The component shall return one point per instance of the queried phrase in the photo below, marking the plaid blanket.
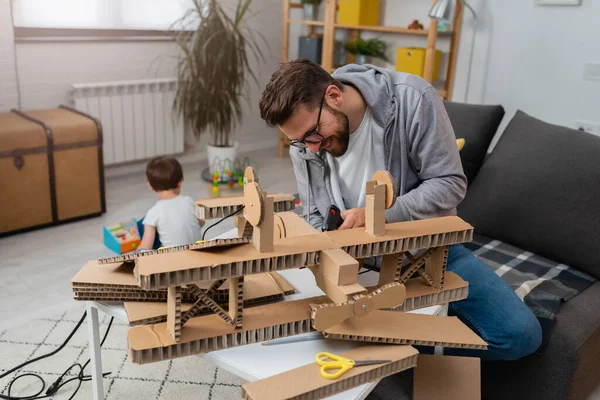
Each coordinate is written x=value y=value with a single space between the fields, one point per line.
x=541 y=283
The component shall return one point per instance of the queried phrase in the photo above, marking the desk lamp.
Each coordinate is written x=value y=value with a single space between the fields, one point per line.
x=440 y=10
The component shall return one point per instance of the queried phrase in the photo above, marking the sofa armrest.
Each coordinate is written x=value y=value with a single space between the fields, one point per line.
x=566 y=369
x=578 y=337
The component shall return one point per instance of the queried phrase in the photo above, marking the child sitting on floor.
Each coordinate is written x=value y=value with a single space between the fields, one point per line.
x=173 y=216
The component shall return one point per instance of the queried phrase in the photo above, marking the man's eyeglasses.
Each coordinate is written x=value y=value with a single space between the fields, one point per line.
x=312 y=137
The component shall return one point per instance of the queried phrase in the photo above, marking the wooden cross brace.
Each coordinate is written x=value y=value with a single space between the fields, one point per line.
x=431 y=266
x=176 y=319
x=205 y=297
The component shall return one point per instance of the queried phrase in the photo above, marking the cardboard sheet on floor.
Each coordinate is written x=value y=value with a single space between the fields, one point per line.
x=403 y=236
x=306 y=382
x=406 y=328
x=447 y=378
x=170 y=269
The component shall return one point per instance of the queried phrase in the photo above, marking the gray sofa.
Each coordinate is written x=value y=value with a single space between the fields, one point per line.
x=538 y=191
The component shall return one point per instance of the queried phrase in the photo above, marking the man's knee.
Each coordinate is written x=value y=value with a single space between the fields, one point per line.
x=520 y=337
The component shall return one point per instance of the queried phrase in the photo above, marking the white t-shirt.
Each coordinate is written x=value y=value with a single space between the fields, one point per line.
x=175 y=221
x=357 y=166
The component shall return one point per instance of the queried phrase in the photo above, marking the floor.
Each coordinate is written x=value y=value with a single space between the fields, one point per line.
x=186 y=378
x=37 y=266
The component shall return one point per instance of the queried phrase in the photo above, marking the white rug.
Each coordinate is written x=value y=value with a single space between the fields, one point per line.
x=186 y=378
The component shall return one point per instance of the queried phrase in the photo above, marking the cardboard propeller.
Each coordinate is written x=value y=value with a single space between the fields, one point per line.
x=337 y=275
x=324 y=316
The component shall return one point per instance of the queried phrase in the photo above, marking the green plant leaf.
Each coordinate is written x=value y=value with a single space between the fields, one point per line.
x=214 y=69
x=373 y=47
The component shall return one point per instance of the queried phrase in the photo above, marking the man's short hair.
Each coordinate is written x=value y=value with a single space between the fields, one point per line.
x=295 y=83
x=164 y=173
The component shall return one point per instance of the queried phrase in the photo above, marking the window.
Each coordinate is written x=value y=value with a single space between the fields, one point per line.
x=98 y=14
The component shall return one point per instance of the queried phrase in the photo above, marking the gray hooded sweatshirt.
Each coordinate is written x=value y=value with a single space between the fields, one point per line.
x=417 y=145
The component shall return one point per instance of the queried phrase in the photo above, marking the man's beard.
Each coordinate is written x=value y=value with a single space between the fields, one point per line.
x=341 y=137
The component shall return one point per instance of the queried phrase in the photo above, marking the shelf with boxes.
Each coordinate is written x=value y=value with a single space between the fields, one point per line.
x=355 y=17
x=390 y=29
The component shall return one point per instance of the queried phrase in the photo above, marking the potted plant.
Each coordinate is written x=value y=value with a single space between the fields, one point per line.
x=364 y=50
x=213 y=69
x=311 y=9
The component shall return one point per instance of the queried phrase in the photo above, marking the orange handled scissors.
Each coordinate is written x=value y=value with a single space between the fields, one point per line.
x=342 y=363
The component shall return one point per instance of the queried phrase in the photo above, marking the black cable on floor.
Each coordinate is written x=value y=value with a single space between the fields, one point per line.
x=57 y=384
x=221 y=220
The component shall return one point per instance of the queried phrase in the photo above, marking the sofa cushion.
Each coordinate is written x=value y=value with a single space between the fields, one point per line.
x=542 y=284
x=539 y=190
x=477 y=124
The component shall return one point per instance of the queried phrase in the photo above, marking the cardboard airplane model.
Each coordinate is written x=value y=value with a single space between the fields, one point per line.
x=347 y=311
x=271 y=238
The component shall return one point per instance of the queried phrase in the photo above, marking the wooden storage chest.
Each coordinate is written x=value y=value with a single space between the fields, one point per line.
x=51 y=167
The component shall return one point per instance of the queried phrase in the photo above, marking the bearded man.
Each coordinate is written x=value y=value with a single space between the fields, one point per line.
x=345 y=126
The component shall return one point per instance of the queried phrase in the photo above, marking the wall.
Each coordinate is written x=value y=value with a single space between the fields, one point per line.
x=8 y=82
x=537 y=55
x=526 y=56
x=47 y=69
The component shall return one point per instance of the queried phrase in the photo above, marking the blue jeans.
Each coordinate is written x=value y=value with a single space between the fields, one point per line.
x=492 y=310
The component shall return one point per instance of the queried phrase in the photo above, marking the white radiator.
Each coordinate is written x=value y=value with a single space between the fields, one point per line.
x=136 y=116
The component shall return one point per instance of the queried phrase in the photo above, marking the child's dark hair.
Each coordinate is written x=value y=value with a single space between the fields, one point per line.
x=164 y=173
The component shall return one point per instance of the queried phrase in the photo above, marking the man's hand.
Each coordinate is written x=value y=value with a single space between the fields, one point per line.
x=353 y=218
